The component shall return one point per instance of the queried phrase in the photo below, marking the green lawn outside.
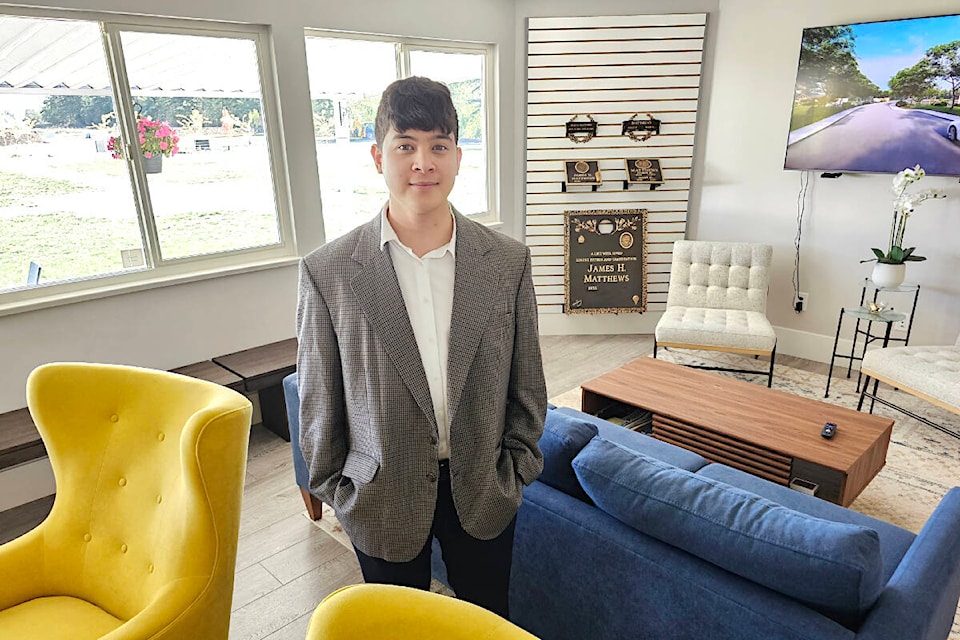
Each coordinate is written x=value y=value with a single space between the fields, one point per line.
x=65 y=244
x=15 y=187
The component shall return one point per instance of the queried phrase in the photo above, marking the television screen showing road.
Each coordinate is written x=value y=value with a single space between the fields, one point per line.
x=858 y=108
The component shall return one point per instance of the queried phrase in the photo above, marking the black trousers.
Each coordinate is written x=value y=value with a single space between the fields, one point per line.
x=478 y=570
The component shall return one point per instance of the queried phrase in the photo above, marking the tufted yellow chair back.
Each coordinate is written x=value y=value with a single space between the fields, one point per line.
x=149 y=468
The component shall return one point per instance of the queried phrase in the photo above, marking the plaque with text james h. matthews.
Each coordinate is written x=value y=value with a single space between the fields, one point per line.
x=605 y=261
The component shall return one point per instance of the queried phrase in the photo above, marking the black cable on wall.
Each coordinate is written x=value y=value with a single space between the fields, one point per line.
x=801 y=209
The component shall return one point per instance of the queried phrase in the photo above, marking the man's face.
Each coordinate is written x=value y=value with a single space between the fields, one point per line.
x=419 y=168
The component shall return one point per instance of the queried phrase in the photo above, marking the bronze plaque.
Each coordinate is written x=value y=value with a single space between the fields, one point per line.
x=605 y=265
x=640 y=130
x=581 y=130
x=644 y=171
x=582 y=172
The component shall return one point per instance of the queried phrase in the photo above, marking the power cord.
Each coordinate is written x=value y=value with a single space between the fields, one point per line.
x=801 y=209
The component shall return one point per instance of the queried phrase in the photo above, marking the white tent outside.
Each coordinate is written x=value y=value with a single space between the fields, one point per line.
x=51 y=56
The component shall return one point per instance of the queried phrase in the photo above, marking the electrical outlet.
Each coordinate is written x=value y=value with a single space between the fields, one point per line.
x=901 y=326
x=800 y=302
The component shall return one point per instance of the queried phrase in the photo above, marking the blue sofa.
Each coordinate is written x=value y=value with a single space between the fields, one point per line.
x=624 y=536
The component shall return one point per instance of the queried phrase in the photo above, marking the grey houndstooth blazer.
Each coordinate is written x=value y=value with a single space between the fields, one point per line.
x=368 y=431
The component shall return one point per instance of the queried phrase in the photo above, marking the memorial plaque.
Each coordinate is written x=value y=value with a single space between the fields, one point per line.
x=605 y=266
x=640 y=130
x=582 y=172
x=643 y=171
x=581 y=130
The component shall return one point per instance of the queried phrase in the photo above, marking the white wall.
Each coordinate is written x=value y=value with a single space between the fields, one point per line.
x=186 y=323
x=746 y=194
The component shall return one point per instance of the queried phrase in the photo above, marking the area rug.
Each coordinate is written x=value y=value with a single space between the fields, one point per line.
x=922 y=462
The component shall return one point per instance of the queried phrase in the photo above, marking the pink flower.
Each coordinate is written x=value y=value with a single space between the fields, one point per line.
x=155 y=138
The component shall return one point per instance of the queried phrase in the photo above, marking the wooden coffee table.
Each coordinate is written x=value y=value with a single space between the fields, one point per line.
x=769 y=433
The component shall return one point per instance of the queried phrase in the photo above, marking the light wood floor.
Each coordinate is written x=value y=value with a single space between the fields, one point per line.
x=286 y=565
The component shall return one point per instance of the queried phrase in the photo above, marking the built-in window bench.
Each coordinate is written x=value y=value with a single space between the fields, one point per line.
x=258 y=370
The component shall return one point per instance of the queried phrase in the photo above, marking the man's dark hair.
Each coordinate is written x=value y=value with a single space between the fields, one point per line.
x=416 y=103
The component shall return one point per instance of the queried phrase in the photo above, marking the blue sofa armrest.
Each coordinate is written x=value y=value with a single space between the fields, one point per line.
x=291 y=395
x=920 y=600
x=292 y=398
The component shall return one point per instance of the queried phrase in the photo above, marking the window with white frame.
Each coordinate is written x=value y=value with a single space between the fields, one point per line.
x=130 y=151
x=347 y=75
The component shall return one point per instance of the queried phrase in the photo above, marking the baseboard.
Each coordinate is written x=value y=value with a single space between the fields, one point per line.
x=583 y=324
x=790 y=342
x=811 y=346
x=25 y=483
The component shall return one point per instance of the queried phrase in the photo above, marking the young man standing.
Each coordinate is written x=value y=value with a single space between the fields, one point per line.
x=422 y=395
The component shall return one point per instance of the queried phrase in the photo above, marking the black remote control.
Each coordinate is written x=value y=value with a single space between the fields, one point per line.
x=829 y=430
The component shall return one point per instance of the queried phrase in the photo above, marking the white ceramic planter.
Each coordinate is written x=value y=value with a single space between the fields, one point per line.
x=888 y=275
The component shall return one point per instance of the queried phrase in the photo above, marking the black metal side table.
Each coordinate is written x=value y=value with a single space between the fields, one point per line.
x=863 y=314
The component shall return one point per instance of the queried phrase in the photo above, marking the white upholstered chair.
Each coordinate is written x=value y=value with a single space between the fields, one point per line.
x=929 y=372
x=717 y=301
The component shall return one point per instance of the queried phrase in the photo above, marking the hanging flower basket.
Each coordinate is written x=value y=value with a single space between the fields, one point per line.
x=153 y=164
x=157 y=139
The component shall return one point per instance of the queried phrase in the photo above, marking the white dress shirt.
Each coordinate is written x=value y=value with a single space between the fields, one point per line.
x=427 y=287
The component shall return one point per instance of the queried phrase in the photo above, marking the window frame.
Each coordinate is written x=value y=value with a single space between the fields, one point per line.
x=403 y=46
x=158 y=271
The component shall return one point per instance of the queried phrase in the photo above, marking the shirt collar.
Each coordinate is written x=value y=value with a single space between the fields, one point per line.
x=387 y=234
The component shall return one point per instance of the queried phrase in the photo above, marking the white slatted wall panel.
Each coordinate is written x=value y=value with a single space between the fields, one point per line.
x=610 y=67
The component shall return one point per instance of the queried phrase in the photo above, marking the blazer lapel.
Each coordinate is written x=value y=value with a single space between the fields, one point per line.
x=378 y=294
x=475 y=286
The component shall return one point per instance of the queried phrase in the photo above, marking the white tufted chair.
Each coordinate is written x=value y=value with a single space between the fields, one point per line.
x=717 y=300
x=931 y=373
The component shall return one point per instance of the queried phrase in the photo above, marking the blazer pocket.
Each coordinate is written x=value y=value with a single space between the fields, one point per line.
x=360 y=467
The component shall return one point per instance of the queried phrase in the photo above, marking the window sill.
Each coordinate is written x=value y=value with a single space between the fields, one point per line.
x=124 y=284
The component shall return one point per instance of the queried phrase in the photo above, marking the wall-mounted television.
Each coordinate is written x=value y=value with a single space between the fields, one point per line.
x=877 y=97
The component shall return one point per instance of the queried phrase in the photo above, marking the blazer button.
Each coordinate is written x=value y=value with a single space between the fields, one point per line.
x=431 y=477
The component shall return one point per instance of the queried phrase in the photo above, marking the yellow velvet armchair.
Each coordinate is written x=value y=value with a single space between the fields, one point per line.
x=388 y=612
x=142 y=538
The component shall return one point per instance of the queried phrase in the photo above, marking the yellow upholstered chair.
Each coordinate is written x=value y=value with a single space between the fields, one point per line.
x=387 y=612
x=142 y=538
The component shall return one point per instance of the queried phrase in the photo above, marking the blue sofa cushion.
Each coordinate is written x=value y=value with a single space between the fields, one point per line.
x=563 y=438
x=833 y=567
x=894 y=541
